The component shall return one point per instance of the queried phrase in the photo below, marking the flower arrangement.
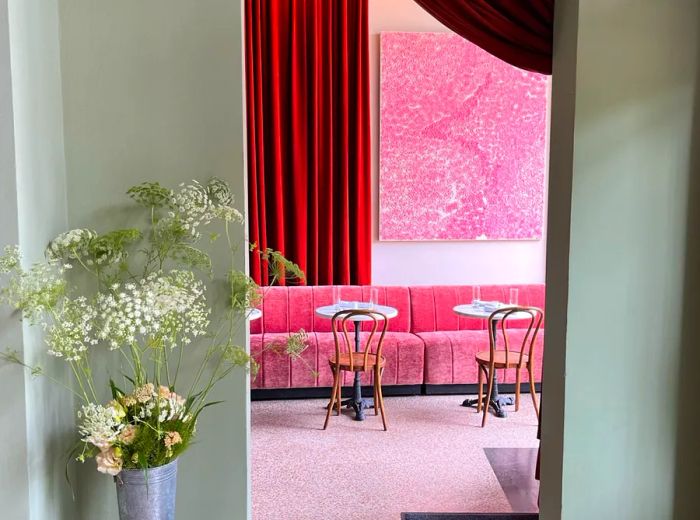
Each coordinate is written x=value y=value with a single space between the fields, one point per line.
x=140 y=295
x=150 y=423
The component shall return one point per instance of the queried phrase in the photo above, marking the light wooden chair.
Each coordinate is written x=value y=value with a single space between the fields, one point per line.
x=489 y=361
x=349 y=359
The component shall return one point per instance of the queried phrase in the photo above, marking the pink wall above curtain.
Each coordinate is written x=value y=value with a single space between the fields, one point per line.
x=462 y=142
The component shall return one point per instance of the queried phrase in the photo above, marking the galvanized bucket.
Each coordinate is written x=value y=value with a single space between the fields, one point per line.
x=147 y=495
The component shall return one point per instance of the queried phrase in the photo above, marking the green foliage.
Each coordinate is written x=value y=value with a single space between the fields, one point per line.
x=11 y=356
x=297 y=343
x=294 y=346
x=150 y=195
x=191 y=257
x=236 y=356
x=112 y=247
x=35 y=291
x=149 y=450
x=279 y=267
x=245 y=293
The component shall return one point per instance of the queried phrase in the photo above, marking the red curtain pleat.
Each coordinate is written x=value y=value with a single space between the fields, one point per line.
x=518 y=32
x=307 y=85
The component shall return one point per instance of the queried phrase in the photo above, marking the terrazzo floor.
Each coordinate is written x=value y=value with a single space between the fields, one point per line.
x=431 y=459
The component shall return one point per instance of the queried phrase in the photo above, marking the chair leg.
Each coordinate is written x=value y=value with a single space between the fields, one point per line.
x=334 y=394
x=339 y=395
x=376 y=396
x=480 y=395
x=517 y=389
x=489 y=378
x=531 y=377
x=378 y=383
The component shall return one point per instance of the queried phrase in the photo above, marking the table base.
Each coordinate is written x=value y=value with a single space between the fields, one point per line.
x=496 y=404
x=359 y=406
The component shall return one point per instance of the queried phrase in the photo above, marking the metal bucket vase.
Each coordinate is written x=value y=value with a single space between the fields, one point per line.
x=147 y=495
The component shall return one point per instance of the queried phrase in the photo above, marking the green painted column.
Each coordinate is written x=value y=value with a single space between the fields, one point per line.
x=621 y=327
x=153 y=91
x=14 y=480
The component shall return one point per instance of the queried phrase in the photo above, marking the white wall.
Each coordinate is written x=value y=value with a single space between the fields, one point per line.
x=415 y=263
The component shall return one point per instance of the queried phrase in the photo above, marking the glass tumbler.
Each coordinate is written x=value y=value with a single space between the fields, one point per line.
x=476 y=295
x=513 y=296
x=373 y=297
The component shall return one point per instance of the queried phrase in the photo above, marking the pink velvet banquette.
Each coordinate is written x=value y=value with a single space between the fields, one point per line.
x=426 y=343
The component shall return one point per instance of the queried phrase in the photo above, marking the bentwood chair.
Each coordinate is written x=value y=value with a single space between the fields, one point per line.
x=349 y=358
x=516 y=353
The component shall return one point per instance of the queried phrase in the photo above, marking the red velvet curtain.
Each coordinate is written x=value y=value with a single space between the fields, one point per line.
x=517 y=31
x=307 y=88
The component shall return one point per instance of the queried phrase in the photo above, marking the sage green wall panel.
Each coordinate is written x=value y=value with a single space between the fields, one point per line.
x=633 y=156
x=153 y=91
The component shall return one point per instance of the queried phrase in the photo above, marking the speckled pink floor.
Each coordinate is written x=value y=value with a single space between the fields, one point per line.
x=431 y=459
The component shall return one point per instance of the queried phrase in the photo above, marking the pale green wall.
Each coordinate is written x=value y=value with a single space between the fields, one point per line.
x=41 y=214
x=153 y=90
x=632 y=78
x=14 y=480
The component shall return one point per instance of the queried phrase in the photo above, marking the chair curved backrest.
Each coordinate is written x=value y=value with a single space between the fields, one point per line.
x=339 y=325
x=499 y=318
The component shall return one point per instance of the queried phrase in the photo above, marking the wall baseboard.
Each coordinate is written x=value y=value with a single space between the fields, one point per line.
x=268 y=394
x=471 y=389
x=321 y=392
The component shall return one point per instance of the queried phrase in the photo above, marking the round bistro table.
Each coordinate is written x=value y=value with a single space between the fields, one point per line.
x=356 y=402
x=254 y=314
x=475 y=311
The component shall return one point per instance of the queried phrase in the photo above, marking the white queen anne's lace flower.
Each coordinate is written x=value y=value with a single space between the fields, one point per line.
x=163 y=308
x=100 y=425
x=72 y=244
x=9 y=260
x=73 y=333
x=196 y=205
x=36 y=290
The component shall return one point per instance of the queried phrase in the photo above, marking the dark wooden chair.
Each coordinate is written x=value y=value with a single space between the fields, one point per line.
x=349 y=358
x=516 y=355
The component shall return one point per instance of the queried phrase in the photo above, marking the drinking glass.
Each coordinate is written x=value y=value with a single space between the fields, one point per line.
x=513 y=296
x=476 y=294
x=336 y=296
x=373 y=297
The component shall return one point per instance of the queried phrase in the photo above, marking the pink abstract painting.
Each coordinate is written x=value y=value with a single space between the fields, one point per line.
x=462 y=142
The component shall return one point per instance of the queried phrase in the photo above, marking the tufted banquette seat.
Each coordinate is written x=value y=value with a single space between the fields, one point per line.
x=427 y=343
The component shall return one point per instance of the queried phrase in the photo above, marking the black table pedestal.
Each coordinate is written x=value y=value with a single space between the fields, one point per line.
x=497 y=402
x=356 y=402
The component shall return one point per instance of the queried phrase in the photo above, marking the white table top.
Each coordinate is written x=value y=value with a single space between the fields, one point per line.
x=254 y=314
x=472 y=311
x=328 y=311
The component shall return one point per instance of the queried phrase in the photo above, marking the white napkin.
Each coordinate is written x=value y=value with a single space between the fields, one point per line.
x=346 y=305
x=487 y=306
